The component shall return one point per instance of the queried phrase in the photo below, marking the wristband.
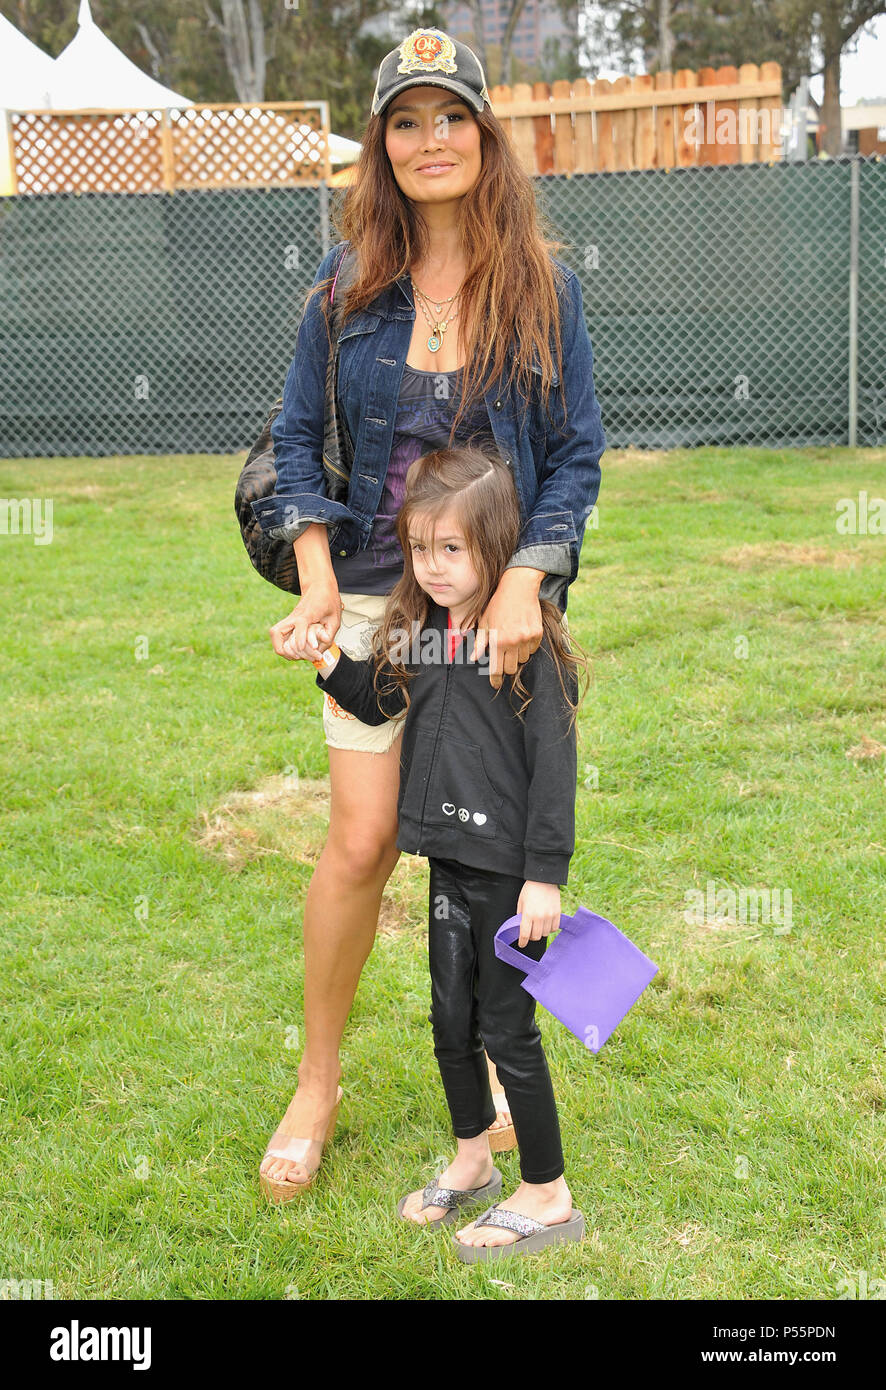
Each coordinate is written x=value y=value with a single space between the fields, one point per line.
x=327 y=659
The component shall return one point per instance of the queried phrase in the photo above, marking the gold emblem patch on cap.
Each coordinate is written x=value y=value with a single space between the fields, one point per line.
x=427 y=50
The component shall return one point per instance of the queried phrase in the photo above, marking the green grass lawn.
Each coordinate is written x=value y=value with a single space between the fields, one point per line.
x=163 y=803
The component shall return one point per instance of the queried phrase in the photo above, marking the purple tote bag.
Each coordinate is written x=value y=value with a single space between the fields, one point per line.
x=589 y=976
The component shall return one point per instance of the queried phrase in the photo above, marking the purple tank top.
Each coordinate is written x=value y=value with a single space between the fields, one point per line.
x=428 y=401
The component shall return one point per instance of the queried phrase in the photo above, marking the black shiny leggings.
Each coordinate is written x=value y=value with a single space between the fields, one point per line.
x=477 y=1000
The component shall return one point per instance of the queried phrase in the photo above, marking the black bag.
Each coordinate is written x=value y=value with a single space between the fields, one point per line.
x=275 y=559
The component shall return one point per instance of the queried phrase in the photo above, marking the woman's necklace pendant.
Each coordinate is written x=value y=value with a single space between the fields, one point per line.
x=435 y=342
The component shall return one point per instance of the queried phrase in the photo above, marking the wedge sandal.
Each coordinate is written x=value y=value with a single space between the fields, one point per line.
x=501 y=1141
x=532 y=1235
x=294 y=1150
x=453 y=1199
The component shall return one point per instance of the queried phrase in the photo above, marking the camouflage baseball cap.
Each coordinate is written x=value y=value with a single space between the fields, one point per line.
x=430 y=58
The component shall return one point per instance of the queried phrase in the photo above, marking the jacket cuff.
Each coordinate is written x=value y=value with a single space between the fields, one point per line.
x=285 y=516
x=549 y=528
x=335 y=679
x=541 y=867
x=553 y=559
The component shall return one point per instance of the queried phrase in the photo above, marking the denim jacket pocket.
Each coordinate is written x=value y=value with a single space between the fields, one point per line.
x=351 y=366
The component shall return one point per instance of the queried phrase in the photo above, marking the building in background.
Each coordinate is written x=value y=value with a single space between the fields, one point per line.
x=538 y=24
x=864 y=128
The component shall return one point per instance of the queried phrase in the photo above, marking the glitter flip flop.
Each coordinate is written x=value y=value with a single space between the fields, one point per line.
x=532 y=1235
x=452 y=1198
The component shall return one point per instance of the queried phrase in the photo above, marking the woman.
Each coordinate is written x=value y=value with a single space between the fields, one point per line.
x=458 y=326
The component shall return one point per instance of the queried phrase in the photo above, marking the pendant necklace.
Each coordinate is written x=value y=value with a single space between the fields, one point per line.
x=435 y=340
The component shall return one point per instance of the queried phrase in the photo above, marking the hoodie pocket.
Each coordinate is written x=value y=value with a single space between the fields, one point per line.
x=459 y=791
x=414 y=778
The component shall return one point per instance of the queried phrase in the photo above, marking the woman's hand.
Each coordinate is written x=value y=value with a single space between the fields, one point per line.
x=539 y=904
x=315 y=642
x=318 y=608
x=511 y=628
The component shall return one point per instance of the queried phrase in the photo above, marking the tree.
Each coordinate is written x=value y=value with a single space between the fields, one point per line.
x=664 y=35
x=241 y=50
x=50 y=24
x=559 y=59
x=665 y=55
x=478 y=34
x=806 y=37
x=515 y=9
x=245 y=42
x=834 y=24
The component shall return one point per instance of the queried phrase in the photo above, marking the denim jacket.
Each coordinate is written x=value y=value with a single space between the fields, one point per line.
x=556 y=473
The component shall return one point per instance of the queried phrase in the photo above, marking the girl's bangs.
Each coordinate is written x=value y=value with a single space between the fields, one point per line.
x=422 y=517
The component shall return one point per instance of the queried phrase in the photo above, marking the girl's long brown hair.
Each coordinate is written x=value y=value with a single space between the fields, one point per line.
x=509 y=295
x=479 y=488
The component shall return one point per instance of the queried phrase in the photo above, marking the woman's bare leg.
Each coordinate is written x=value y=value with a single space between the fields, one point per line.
x=340 y=921
x=502 y=1116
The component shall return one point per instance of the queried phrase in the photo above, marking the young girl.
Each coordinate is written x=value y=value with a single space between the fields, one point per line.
x=487 y=793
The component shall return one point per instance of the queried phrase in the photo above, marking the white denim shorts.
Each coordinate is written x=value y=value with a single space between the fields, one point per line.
x=361 y=615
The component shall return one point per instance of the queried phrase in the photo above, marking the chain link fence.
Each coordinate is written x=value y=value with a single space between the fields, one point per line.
x=150 y=323
x=739 y=305
x=733 y=305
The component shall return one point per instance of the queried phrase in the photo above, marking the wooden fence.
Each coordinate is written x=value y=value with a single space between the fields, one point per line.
x=225 y=145
x=663 y=121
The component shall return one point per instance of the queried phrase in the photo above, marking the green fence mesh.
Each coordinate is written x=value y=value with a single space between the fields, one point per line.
x=718 y=301
x=150 y=323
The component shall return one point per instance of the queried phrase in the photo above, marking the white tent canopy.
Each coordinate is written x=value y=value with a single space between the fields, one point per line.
x=25 y=81
x=25 y=70
x=93 y=73
x=342 y=151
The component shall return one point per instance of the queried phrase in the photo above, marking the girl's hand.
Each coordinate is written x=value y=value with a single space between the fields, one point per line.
x=539 y=904
x=316 y=641
x=319 y=607
x=511 y=628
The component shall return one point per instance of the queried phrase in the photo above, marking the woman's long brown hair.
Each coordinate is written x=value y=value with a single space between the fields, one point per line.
x=509 y=295
x=478 y=487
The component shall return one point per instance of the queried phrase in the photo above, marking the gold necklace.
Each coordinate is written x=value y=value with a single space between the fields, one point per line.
x=435 y=340
x=438 y=307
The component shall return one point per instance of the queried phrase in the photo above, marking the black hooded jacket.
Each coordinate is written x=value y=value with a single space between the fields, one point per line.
x=478 y=784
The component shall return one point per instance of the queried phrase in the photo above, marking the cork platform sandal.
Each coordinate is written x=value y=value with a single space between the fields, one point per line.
x=501 y=1141
x=287 y=1147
